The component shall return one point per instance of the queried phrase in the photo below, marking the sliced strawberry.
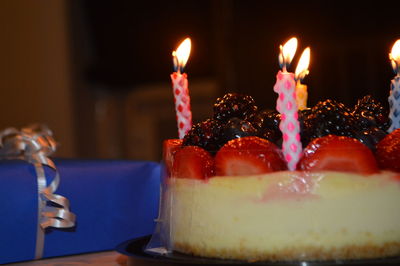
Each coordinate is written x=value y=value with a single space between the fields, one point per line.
x=170 y=147
x=193 y=162
x=248 y=156
x=388 y=151
x=338 y=153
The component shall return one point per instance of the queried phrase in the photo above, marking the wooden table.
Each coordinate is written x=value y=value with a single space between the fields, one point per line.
x=107 y=258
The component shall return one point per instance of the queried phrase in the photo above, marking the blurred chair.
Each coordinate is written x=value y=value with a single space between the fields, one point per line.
x=150 y=116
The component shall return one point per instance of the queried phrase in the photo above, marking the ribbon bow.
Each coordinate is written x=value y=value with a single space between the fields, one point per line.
x=34 y=144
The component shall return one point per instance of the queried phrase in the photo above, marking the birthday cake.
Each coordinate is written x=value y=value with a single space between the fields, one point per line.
x=229 y=194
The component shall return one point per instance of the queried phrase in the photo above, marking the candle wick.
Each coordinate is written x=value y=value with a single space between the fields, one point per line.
x=175 y=61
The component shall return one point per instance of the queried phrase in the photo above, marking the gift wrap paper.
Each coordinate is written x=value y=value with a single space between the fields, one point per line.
x=113 y=201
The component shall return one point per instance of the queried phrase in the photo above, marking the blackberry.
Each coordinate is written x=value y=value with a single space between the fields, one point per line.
x=234 y=105
x=237 y=128
x=371 y=113
x=267 y=125
x=303 y=118
x=271 y=135
x=267 y=119
x=328 y=117
x=206 y=134
x=370 y=137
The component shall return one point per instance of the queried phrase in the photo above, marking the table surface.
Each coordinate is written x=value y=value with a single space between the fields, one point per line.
x=107 y=258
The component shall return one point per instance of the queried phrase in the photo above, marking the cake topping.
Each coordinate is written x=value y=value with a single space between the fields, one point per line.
x=328 y=117
x=247 y=156
x=170 y=147
x=371 y=113
x=267 y=124
x=193 y=162
x=234 y=105
x=237 y=128
x=333 y=134
x=370 y=137
x=388 y=151
x=206 y=134
x=338 y=153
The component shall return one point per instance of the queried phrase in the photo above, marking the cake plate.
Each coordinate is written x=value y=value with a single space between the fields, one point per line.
x=134 y=249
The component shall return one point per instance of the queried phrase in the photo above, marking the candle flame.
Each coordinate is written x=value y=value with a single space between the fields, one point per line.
x=395 y=53
x=182 y=53
x=302 y=66
x=288 y=51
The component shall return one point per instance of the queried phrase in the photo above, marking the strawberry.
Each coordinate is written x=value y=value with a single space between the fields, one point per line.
x=248 y=156
x=338 y=153
x=170 y=147
x=388 y=151
x=192 y=162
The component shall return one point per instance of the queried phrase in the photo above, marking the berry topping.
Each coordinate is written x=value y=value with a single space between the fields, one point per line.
x=206 y=134
x=371 y=113
x=338 y=153
x=370 y=137
x=303 y=118
x=388 y=152
x=192 y=162
x=267 y=125
x=328 y=117
x=234 y=105
x=248 y=156
x=170 y=147
x=237 y=128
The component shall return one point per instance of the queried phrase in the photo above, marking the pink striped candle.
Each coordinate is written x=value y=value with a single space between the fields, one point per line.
x=286 y=105
x=180 y=88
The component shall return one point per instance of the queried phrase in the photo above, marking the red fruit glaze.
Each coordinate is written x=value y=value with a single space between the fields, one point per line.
x=170 y=147
x=388 y=151
x=192 y=162
x=248 y=156
x=338 y=153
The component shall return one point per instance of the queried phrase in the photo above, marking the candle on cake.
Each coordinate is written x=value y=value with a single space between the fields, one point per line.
x=180 y=88
x=286 y=105
x=300 y=73
x=394 y=98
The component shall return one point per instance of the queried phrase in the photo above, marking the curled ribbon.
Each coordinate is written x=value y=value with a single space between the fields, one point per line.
x=34 y=144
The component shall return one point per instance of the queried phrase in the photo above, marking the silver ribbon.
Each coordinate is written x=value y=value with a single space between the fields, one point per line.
x=34 y=144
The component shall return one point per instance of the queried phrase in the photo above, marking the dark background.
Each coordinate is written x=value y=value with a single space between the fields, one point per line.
x=237 y=43
x=97 y=72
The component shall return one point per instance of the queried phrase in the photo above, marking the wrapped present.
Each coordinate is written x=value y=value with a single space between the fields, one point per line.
x=113 y=201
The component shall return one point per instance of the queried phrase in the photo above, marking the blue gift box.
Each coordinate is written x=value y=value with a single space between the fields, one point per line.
x=113 y=201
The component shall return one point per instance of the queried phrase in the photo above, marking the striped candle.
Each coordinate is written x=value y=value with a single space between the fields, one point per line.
x=394 y=97
x=180 y=88
x=286 y=105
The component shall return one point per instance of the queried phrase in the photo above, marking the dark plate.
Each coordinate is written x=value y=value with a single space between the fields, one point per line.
x=134 y=249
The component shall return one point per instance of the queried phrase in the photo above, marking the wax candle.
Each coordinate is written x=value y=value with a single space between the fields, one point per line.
x=394 y=97
x=180 y=88
x=286 y=105
x=300 y=73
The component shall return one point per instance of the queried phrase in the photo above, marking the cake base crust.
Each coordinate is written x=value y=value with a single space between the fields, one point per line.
x=309 y=253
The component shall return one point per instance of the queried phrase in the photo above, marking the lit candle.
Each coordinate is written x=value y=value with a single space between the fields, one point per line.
x=300 y=73
x=180 y=88
x=286 y=105
x=394 y=98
